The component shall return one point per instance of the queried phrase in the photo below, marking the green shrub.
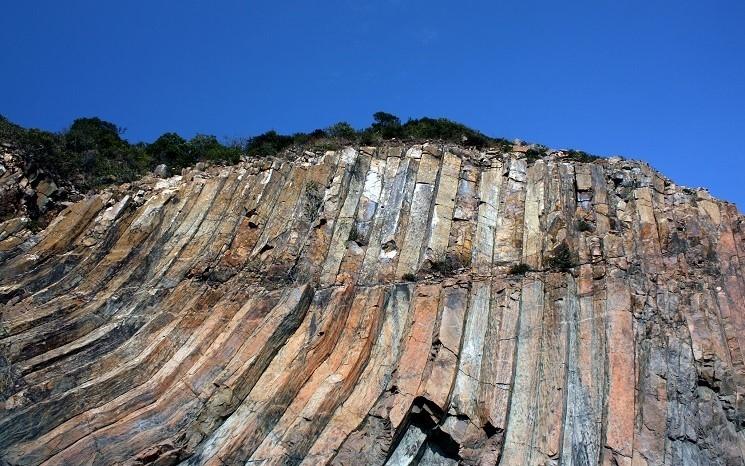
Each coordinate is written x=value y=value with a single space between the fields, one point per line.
x=580 y=156
x=562 y=258
x=445 y=130
x=207 y=147
x=94 y=134
x=343 y=131
x=447 y=266
x=533 y=155
x=172 y=150
x=387 y=126
x=9 y=131
x=268 y=144
x=370 y=138
x=583 y=225
x=92 y=152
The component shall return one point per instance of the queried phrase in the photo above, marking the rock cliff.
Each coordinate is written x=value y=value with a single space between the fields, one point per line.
x=423 y=304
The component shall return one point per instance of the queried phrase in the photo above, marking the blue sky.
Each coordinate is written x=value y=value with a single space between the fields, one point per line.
x=662 y=81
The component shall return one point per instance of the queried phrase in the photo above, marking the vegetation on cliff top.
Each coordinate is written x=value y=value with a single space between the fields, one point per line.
x=92 y=152
x=385 y=126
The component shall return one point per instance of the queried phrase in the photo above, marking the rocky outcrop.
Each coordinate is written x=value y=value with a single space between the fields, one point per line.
x=372 y=306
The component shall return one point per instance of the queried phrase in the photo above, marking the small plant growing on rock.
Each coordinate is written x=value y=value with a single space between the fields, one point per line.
x=583 y=225
x=561 y=259
x=520 y=269
x=447 y=266
x=408 y=277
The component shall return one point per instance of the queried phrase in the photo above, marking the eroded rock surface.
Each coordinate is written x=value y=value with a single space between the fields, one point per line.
x=364 y=306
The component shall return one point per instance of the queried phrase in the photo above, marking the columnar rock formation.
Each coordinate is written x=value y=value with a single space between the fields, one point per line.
x=367 y=306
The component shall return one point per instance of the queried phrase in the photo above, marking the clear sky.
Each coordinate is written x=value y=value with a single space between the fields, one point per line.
x=662 y=81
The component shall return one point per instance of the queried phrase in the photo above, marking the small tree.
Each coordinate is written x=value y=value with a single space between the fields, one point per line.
x=93 y=134
x=386 y=125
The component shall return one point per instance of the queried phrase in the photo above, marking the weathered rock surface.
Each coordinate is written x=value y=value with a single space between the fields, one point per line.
x=268 y=313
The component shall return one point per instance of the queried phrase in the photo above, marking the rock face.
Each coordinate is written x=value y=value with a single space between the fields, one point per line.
x=364 y=306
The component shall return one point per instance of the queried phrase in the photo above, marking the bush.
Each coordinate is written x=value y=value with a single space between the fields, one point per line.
x=343 y=131
x=386 y=125
x=519 y=269
x=170 y=149
x=207 y=147
x=95 y=154
x=268 y=144
x=94 y=134
x=369 y=137
x=583 y=225
x=174 y=151
x=408 y=277
x=562 y=258
x=580 y=156
x=533 y=155
x=9 y=131
x=92 y=153
x=447 y=266
x=445 y=130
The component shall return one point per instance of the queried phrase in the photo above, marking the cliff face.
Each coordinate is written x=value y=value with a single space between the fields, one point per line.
x=366 y=306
